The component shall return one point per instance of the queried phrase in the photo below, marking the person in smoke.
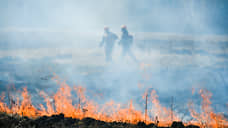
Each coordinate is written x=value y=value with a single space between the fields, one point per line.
x=126 y=42
x=108 y=41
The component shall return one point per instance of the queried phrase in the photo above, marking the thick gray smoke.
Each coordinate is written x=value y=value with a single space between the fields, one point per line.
x=180 y=45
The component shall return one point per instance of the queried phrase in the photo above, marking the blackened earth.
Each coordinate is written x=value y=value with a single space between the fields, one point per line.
x=59 y=121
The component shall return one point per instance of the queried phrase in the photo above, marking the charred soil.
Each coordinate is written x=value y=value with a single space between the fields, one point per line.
x=59 y=121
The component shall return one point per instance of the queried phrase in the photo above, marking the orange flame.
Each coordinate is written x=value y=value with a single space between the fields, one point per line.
x=207 y=118
x=62 y=102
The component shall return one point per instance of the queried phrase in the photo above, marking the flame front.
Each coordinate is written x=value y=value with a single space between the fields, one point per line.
x=62 y=102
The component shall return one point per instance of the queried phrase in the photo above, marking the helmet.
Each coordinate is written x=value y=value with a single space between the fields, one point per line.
x=123 y=27
x=106 y=28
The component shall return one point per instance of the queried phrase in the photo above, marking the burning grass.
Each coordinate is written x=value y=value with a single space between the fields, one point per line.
x=108 y=115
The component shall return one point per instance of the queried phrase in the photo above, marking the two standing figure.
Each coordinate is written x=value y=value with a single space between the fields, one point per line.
x=125 y=42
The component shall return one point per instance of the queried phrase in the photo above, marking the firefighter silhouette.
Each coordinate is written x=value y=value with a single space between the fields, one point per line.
x=126 y=42
x=108 y=41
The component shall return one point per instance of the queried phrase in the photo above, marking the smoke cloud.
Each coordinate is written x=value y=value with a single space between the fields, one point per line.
x=180 y=45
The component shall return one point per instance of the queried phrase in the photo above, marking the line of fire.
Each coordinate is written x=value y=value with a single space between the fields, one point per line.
x=62 y=103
